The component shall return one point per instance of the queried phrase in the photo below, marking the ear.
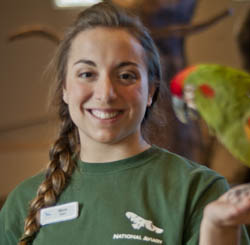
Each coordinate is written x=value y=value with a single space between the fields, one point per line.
x=151 y=94
x=65 y=95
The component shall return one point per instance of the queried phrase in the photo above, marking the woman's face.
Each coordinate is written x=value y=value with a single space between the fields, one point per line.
x=106 y=86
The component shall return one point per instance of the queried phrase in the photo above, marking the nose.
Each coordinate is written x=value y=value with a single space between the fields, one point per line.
x=105 y=90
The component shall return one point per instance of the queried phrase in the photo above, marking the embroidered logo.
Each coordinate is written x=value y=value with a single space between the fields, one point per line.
x=139 y=222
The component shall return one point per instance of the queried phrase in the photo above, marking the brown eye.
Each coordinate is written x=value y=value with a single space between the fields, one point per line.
x=86 y=75
x=127 y=77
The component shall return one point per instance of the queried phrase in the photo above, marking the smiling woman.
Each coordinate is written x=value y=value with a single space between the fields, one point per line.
x=105 y=184
x=107 y=92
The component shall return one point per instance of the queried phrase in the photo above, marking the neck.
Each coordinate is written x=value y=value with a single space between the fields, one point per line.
x=99 y=153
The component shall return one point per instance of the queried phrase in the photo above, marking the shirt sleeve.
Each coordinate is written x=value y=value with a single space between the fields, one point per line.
x=15 y=209
x=11 y=220
x=7 y=236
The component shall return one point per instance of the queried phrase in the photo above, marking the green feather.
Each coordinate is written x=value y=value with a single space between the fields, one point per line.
x=226 y=113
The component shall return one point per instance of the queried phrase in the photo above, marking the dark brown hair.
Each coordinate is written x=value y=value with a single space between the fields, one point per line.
x=61 y=164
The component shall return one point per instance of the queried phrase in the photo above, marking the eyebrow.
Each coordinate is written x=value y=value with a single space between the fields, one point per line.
x=88 y=62
x=120 y=65
x=127 y=63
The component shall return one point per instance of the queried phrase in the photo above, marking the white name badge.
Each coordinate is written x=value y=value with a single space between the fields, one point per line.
x=59 y=213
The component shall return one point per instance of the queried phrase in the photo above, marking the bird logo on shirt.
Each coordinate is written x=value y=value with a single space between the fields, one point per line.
x=139 y=222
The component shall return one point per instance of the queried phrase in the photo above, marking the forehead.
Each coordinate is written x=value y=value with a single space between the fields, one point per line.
x=106 y=45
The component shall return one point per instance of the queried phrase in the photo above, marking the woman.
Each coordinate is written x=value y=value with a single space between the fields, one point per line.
x=114 y=187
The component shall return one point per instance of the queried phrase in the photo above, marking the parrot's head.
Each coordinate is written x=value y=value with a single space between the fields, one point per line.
x=183 y=94
x=220 y=95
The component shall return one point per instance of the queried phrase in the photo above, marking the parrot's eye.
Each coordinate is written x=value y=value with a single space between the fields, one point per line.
x=207 y=90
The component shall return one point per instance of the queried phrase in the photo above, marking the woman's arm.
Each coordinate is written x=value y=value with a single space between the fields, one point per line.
x=223 y=218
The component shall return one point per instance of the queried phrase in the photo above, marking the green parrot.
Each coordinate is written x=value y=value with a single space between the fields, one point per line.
x=221 y=96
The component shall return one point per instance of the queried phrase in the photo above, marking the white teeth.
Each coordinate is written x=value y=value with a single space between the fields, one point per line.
x=104 y=115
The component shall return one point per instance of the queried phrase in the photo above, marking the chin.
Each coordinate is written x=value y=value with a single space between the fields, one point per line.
x=107 y=139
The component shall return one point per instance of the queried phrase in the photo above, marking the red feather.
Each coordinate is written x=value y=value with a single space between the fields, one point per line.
x=207 y=90
x=177 y=83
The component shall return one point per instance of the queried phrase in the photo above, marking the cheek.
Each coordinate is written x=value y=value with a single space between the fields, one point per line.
x=78 y=93
x=138 y=96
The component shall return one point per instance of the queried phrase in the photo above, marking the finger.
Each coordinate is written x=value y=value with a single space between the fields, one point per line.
x=238 y=194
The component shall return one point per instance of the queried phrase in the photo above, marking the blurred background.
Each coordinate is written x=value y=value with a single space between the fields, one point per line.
x=186 y=31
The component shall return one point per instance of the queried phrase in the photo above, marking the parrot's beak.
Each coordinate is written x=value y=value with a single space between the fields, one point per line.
x=182 y=111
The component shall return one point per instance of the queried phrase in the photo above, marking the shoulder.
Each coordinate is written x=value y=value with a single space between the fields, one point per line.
x=26 y=190
x=15 y=209
x=18 y=200
x=172 y=160
x=180 y=171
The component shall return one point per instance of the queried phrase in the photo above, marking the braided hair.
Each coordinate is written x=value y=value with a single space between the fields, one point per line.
x=62 y=165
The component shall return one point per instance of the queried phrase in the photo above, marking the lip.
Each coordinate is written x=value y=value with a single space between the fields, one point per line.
x=102 y=114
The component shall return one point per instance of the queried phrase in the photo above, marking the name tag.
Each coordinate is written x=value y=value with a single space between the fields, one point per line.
x=59 y=213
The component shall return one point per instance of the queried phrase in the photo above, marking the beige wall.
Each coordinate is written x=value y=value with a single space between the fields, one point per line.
x=218 y=43
x=24 y=142
x=23 y=153
x=25 y=133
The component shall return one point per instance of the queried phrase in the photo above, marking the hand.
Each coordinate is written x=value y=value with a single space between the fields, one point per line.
x=222 y=218
x=232 y=208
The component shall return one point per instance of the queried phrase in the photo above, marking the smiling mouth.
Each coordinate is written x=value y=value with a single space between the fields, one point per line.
x=105 y=114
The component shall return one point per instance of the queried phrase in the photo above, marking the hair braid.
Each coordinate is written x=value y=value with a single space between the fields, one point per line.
x=58 y=172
